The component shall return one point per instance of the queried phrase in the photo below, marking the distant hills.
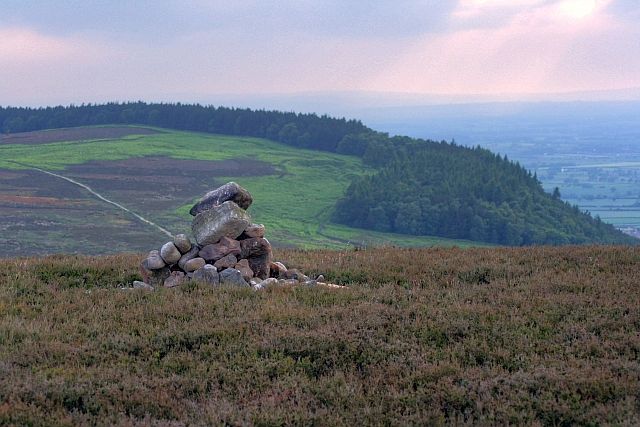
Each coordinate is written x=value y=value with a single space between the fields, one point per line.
x=417 y=187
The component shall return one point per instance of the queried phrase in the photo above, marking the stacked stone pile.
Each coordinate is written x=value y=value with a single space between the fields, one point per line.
x=228 y=249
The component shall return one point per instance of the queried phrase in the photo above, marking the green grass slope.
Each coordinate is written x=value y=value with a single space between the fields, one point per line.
x=295 y=201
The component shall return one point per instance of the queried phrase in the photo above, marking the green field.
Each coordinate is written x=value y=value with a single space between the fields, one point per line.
x=607 y=190
x=294 y=191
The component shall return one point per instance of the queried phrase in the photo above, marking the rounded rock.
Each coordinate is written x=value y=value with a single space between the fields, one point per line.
x=176 y=278
x=194 y=264
x=193 y=253
x=243 y=267
x=207 y=274
x=228 y=192
x=141 y=285
x=155 y=262
x=153 y=277
x=233 y=277
x=182 y=242
x=265 y=283
x=226 y=262
x=254 y=230
x=169 y=253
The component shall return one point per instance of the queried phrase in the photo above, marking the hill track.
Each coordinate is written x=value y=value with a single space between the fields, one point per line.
x=99 y=196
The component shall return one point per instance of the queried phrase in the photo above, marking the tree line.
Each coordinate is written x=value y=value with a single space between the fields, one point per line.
x=441 y=189
x=301 y=130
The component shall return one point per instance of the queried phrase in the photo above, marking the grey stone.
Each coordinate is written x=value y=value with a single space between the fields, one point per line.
x=169 y=253
x=224 y=247
x=155 y=262
x=182 y=242
x=265 y=283
x=207 y=274
x=154 y=277
x=176 y=278
x=226 y=220
x=320 y=278
x=194 y=264
x=193 y=253
x=228 y=192
x=233 y=277
x=293 y=274
x=310 y=282
x=141 y=285
x=226 y=262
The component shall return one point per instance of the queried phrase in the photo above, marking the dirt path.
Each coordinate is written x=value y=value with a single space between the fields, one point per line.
x=74 y=134
x=99 y=196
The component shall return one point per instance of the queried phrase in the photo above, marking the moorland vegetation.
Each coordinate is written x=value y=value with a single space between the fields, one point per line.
x=535 y=336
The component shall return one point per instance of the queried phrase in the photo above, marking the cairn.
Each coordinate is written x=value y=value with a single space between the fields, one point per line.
x=228 y=249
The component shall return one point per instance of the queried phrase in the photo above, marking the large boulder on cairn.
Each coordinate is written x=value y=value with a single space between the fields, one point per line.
x=225 y=220
x=228 y=192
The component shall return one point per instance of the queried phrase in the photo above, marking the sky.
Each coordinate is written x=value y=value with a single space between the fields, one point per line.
x=81 y=51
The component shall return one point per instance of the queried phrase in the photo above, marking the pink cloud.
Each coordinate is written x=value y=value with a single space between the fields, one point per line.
x=24 y=45
x=550 y=47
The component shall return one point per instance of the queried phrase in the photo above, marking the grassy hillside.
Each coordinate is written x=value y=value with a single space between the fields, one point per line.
x=411 y=186
x=159 y=175
x=543 y=336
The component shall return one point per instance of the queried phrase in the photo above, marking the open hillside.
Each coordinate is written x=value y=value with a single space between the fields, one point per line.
x=158 y=174
x=391 y=184
x=525 y=336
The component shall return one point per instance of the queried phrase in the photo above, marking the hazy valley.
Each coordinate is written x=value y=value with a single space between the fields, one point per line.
x=587 y=149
